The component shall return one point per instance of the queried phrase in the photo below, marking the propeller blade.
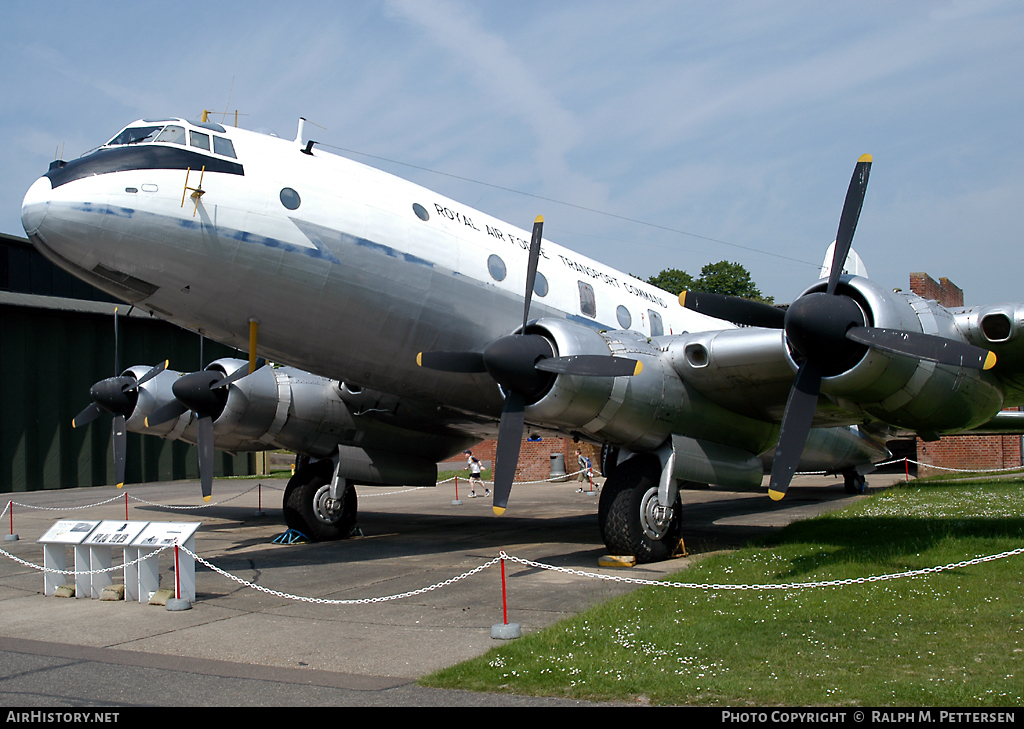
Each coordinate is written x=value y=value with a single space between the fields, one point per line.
x=506 y=457
x=452 y=361
x=231 y=379
x=170 y=411
x=734 y=309
x=117 y=347
x=591 y=365
x=153 y=372
x=206 y=455
x=89 y=414
x=531 y=267
x=848 y=220
x=120 y=447
x=924 y=346
x=796 y=425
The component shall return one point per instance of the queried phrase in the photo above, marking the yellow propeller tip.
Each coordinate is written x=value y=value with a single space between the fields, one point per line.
x=498 y=511
x=990 y=361
x=682 y=299
x=639 y=368
x=419 y=359
x=540 y=219
x=121 y=485
x=865 y=158
x=776 y=495
x=207 y=498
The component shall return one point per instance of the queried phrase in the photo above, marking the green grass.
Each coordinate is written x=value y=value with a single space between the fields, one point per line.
x=953 y=638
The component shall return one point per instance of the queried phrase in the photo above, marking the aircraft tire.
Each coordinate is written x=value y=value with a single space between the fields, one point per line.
x=303 y=504
x=624 y=513
x=853 y=482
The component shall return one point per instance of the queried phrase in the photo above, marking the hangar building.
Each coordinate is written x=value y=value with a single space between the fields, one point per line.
x=56 y=340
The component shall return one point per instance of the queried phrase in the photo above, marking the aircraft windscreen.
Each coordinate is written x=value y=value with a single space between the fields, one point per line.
x=135 y=135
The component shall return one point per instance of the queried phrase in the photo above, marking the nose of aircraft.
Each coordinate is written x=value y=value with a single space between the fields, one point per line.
x=35 y=205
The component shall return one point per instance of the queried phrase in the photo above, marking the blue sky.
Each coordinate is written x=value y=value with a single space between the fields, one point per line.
x=729 y=130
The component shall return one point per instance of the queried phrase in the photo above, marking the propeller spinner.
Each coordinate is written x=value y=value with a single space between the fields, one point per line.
x=827 y=329
x=524 y=366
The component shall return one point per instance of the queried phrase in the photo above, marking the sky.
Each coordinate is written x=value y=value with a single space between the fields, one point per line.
x=651 y=135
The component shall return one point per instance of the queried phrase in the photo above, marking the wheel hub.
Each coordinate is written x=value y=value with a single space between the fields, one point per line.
x=326 y=509
x=655 y=519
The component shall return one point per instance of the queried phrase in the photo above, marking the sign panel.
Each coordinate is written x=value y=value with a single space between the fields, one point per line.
x=67 y=531
x=115 y=533
x=164 y=534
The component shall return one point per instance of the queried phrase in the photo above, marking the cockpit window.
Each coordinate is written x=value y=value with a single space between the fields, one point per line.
x=223 y=145
x=135 y=135
x=175 y=134
x=172 y=135
x=202 y=141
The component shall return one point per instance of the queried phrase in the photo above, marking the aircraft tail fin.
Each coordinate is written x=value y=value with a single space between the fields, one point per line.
x=854 y=265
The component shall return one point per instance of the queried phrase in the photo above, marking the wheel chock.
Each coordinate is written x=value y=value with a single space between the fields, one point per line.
x=680 y=550
x=617 y=560
x=292 y=536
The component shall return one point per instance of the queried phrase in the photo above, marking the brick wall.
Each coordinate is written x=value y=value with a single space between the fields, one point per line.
x=944 y=291
x=535 y=456
x=968 y=452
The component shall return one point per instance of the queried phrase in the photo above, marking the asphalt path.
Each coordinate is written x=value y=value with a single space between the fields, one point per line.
x=239 y=646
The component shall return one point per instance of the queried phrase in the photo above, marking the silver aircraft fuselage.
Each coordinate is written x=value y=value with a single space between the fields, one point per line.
x=349 y=271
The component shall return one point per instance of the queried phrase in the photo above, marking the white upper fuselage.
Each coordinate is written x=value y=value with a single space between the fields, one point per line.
x=348 y=280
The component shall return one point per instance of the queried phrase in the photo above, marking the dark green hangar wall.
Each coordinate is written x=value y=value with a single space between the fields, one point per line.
x=56 y=340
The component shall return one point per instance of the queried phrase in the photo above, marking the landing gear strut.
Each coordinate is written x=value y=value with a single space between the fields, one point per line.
x=309 y=508
x=632 y=519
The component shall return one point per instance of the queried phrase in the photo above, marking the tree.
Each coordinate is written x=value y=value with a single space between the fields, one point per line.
x=673 y=280
x=723 y=277
x=732 y=279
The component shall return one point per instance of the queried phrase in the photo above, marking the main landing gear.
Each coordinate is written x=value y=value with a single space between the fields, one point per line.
x=309 y=508
x=854 y=481
x=632 y=519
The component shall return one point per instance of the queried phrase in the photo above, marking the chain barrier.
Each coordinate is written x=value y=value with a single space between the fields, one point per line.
x=779 y=586
x=86 y=572
x=958 y=470
x=325 y=601
x=503 y=555
x=564 y=570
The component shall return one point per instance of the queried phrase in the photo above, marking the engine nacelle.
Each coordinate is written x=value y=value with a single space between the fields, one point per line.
x=287 y=408
x=999 y=328
x=282 y=407
x=638 y=412
x=626 y=411
x=903 y=391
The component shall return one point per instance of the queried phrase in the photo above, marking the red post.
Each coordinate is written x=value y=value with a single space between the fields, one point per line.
x=456 y=488
x=126 y=506
x=259 y=497
x=10 y=507
x=906 y=465
x=504 y=602
x=177 y=581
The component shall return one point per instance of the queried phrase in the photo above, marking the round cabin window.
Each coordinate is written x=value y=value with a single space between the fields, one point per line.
x=496 y=267
x=290 y=199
